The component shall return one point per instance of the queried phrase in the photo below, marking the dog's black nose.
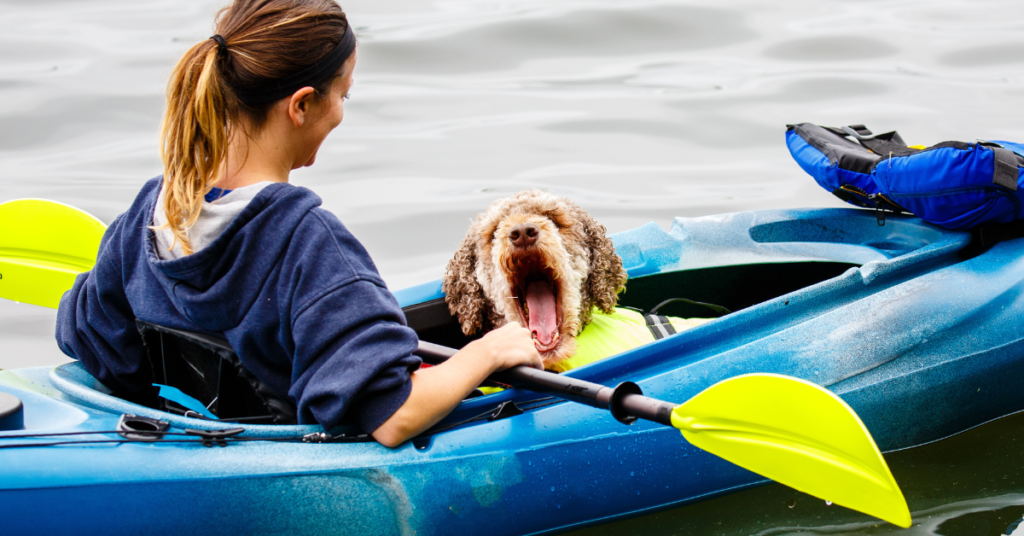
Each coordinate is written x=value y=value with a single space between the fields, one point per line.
x=523 y=235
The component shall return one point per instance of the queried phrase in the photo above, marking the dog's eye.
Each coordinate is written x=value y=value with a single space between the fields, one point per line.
x=554 y=222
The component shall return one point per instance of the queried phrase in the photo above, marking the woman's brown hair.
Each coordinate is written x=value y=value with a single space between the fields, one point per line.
x=261 y=41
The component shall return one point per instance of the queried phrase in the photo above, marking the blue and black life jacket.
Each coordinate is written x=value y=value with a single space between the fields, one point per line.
x=955 y=184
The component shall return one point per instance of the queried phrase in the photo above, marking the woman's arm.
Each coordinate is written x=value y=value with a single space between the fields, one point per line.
x=96 y=323
x=437 y=390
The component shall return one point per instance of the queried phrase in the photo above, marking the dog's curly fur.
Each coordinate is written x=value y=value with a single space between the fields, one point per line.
x=479 y=282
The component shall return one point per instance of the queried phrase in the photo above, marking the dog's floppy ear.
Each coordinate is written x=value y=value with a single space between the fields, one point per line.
x=465 y=298
x=606 y=278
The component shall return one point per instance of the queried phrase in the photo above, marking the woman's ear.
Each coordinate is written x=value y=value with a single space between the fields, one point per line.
x=299 y=105
x=606 y=278
x=463 y=293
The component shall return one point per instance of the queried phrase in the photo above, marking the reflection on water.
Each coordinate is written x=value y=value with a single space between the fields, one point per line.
x=640 y=110
x=985 y=522
x=831 y=48
x=971 y=484
x=611 y=33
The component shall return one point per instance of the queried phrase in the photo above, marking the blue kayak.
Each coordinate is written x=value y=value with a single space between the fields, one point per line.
x=919 y=329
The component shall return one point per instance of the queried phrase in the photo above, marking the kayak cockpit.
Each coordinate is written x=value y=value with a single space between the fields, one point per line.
x=737 y=261
x=778 y=271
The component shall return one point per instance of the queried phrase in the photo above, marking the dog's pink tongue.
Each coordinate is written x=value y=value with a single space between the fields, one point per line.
x=543 y=317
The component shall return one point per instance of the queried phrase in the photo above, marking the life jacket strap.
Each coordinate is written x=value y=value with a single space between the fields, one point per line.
x=888 y=144
x=660 y=326
x=1005 y=168
x=852 y=194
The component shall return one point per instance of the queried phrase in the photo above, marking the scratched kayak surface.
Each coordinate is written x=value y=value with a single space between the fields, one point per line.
x=944 y=354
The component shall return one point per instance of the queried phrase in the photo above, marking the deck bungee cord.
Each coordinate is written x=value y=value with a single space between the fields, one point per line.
x=206 y=438
x=230 y=435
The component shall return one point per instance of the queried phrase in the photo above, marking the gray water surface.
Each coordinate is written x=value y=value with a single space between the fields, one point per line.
x=638 y=110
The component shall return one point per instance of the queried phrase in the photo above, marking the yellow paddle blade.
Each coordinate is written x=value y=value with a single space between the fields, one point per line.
x=43 y=246
x=796 y=433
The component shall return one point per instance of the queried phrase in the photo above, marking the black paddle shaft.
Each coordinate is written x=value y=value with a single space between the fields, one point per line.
x=625 y=401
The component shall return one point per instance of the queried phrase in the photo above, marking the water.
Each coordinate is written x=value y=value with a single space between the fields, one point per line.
x=968 y=485
x=638 y=110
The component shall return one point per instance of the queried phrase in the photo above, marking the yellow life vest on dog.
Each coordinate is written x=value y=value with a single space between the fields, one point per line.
x=611 y=334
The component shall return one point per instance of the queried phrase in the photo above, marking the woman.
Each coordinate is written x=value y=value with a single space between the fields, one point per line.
x=222 y=244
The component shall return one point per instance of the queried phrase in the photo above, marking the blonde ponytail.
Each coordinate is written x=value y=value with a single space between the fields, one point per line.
x=258 y=42
x=193 y=140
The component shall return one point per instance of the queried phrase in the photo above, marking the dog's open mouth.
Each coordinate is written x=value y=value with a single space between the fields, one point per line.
x=537 y=302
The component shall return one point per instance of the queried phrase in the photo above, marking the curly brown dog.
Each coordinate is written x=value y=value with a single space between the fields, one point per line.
x=539 y=260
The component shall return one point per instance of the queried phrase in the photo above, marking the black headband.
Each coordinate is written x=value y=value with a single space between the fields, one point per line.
x=273 y=90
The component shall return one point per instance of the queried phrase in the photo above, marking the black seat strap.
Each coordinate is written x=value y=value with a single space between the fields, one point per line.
x=717 y=309
x=660 y=326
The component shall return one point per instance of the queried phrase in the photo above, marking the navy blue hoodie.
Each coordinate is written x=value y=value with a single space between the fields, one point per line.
x=286 y=284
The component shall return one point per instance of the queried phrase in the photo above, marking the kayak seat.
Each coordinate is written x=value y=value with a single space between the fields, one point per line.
x=206 y=368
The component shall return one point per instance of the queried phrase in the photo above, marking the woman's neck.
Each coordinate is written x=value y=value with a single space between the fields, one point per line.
x=250 y=160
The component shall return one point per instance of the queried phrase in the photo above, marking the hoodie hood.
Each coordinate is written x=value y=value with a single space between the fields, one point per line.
x=217 y=285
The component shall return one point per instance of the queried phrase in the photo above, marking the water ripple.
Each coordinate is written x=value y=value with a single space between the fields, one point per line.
x=462 y=101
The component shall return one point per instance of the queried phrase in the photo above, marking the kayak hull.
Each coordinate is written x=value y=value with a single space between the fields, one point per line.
x=920 y=335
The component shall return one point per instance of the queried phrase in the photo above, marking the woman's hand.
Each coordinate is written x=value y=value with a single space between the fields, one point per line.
x=506 y=347
x=437 y=390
